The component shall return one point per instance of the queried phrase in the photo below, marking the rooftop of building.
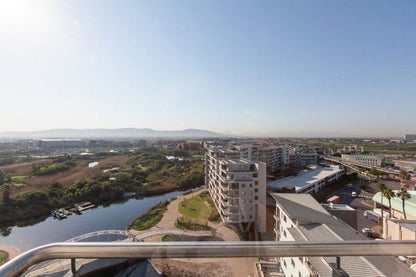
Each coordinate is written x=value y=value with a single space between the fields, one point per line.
x=362 y=156
x=305 y=178
x=340 y=207
x=396 y=203
x=314 y=223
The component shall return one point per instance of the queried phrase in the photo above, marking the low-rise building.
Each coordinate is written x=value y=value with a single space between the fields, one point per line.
x=59 y=143
x=365 y=160
x=352 y=148
x=399 y=229
x=299 y=217
x=397 y=205
x=238 y=188
x=308 y=181
x=407 y=165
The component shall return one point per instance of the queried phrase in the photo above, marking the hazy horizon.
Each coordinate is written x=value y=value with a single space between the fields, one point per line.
x=314 y=68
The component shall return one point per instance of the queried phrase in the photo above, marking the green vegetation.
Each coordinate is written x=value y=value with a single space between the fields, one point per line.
x=53 y=168
x=170 y=237
x=18 y=181
x=3 y=257
x=150 y=218
x=194 y=207
x=376 y=172
x=33 y=197
x=214 y=215
x=148 y=172
x=199 y=207
x=403 y=194
x=181 y=223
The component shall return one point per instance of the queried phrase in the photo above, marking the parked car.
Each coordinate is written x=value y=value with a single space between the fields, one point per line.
x=350 y=186
x=354 y=194
x=366 y=231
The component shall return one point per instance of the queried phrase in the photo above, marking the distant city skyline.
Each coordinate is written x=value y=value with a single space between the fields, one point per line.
x=304 y=68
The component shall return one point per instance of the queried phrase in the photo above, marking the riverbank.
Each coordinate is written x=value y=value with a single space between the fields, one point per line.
x=25 y=216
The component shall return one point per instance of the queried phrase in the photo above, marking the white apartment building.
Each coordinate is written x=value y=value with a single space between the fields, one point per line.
x=308 y=181
x=365 y=160
x=275 y=157
x=238 y=188
x=249 y=151
x=299 y=217
x=300 y=160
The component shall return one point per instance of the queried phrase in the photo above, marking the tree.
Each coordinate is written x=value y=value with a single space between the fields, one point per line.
x=389 y=194
x=382 y=188
x=403 y=174
x=6 y=192
x=1 y=178
x=403 y=194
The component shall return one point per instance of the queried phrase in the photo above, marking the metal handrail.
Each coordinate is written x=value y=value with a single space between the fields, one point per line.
x=102 y=250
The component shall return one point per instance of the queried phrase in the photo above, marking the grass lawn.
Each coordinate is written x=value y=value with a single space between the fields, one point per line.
x=18 y=179
x=194 y=207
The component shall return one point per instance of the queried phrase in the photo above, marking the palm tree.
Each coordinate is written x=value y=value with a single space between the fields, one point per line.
x=382 y=188
x=389 y=194
x=403 y=194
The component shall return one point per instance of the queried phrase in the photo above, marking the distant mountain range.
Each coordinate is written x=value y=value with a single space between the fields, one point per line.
x=113 y=133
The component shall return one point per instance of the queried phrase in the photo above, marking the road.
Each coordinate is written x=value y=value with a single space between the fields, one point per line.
x=361 y=203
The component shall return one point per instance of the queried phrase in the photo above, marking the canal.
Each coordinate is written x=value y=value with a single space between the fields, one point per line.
x=117 y=216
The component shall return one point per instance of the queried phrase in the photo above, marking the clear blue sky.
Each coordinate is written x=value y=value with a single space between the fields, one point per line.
x=241 y=67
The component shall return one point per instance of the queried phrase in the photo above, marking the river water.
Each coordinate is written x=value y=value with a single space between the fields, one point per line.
x=117 y=216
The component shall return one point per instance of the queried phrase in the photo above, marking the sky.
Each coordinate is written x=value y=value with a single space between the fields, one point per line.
x=257 y=68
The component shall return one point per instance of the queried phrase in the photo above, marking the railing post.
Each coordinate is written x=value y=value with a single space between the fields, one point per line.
x=73 y=266
x=338 y=263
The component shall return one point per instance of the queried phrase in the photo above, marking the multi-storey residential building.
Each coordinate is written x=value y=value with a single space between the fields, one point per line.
x=299 y=217
x=300 y=160
x=308 y=181
x=365 y=160
x=238 y=188
x=275 y=157
x=302 y=156
x=249 y=151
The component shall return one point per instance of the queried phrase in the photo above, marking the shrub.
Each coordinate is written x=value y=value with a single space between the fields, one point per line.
x=33 y=197
x=150 y=218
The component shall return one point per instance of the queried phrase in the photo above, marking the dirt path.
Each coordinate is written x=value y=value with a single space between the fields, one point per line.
x=11 y=251
x=239 y=267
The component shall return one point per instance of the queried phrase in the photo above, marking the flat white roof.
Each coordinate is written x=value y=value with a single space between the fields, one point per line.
x=305 y=178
